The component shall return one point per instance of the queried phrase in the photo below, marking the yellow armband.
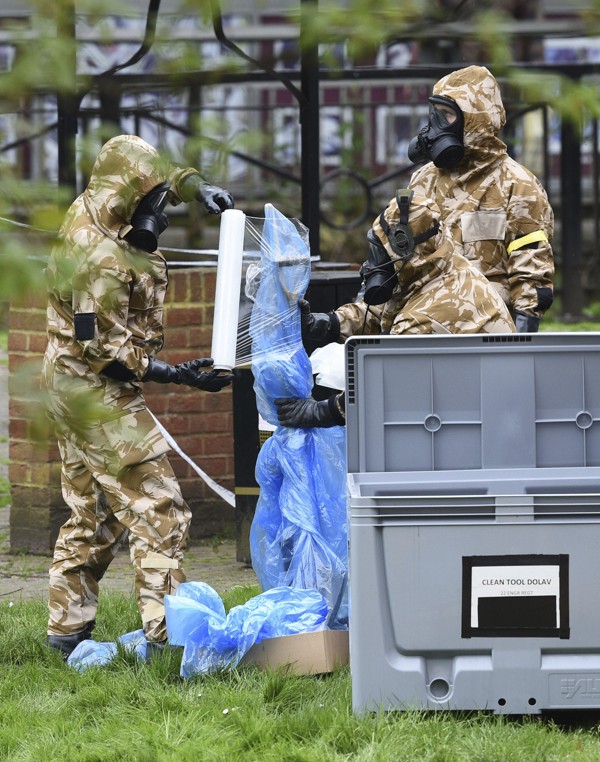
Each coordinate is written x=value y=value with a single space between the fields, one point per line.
x=523 y=241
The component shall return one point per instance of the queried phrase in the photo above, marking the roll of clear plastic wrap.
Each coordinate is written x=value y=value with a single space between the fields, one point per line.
x=227 y=294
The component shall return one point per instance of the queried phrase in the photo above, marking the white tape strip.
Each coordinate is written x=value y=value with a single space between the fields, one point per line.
x=227 y=496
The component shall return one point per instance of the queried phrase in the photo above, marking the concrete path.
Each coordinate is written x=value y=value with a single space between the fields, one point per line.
x=25 y=577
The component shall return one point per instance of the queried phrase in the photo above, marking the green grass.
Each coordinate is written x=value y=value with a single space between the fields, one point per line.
x=3 y=340
x=4 y=491
x=552 y=319
x=146 y=713
x=588 y=325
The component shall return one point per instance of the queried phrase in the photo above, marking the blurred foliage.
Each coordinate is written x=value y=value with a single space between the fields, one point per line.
x=44 y=63
x=363 y=27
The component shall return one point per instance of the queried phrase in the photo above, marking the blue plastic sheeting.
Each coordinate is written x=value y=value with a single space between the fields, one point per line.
x=213 y=640
x=92 y=653
x=280 y=365
x=299 y=534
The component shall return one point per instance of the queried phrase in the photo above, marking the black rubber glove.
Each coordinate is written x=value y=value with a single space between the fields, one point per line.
x=309 y=413
x=188 y=373
x=215 y=199
x=323 y=327
x=526 y=323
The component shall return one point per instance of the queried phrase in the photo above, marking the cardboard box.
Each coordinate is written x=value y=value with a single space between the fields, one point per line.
x=307 y=653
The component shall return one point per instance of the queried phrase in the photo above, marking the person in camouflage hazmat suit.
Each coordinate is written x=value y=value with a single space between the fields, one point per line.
x=106 y=286
x=434 y=289
x=491 y=205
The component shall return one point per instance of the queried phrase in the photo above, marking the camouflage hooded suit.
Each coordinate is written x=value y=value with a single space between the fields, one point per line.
x=430 y=288
x=437 y=290
x=492 y=206
x=105 y=304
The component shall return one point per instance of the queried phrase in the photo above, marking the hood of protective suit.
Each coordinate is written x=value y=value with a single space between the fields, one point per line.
x=477 y=94
x=125 y=170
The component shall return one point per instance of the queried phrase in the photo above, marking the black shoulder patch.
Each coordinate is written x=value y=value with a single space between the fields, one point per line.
x=85 y=325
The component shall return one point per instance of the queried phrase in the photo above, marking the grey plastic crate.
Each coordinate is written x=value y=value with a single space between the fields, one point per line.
x=474 y=490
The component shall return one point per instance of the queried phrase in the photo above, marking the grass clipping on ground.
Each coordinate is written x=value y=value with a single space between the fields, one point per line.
x=132 y=711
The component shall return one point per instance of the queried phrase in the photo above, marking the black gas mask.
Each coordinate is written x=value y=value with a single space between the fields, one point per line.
x=439 y=141
x=379 y=271
x=149 y=219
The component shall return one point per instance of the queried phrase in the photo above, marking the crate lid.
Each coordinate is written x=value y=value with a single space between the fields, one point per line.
x=483 y=401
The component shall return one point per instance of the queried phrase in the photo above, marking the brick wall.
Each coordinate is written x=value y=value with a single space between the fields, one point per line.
x=200 y=422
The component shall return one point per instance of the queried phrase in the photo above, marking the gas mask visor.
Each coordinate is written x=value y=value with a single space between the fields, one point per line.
x=149 y=219
x=441 y=140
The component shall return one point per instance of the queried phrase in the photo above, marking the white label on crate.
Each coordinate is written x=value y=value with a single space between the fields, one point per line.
x=514 y=581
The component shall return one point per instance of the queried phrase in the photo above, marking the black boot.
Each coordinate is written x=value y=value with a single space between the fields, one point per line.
x=66 y=644
x=156 y=650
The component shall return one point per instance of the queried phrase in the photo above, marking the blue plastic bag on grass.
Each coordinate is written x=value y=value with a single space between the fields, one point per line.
x=93 y=653
x=299 y=536
x=193 y=606
x=214 y=641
